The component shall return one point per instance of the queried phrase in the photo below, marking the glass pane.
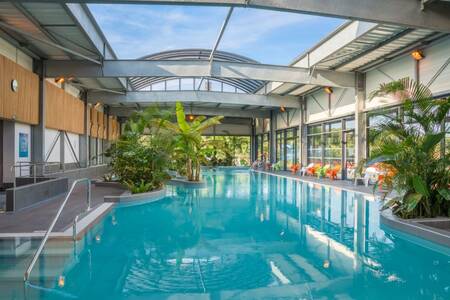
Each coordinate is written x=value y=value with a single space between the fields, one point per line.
x=350 y=124
x=314 y=148
x=187 y=84
x=314 y=129
x=333 y=148
x=266 y=146
x=290 y=152
x=173 y=85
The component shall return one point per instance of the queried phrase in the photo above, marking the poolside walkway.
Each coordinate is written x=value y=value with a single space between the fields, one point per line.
x=39 y=217
x=343 y=184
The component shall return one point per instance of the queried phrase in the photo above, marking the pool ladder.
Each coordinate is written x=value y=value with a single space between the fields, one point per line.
x=52 y=225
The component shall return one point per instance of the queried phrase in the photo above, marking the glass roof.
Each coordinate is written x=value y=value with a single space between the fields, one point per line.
x=266 y=36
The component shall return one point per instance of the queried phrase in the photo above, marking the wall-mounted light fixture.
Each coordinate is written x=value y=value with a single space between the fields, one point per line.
x=282 y=108
x=418 y=55
x=328 y=90
x=191 y=117
x=60 y=80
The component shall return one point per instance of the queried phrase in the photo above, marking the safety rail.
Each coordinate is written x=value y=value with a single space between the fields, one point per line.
x=25 y=164
x=55 y=219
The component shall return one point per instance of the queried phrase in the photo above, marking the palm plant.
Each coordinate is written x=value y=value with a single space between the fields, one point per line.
x=408 y=145
x=189 y=138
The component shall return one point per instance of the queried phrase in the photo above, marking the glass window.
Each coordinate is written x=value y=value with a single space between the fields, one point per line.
x=266 y=145
x=187 y=84
x=332 y=143
x=173 y=85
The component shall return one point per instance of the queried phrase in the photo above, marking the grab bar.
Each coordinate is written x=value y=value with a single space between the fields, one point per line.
x=55 y=219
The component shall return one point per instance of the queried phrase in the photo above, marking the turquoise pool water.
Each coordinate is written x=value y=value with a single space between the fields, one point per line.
x=245 y=236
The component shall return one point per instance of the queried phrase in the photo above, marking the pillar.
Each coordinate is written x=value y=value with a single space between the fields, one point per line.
x=303 y=134
x=253 y=141
x=272 y=136
x=84 y=138
x=360 y=118
x=62 y=148
x=38 y=131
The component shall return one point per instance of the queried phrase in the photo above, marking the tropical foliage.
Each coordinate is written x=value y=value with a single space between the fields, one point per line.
x=152 y=144
x=408 y=147
x=190 y=147
x=226 y=151
x=140 y=160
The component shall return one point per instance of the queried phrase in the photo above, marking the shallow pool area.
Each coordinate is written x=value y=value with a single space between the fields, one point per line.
x=246 y=235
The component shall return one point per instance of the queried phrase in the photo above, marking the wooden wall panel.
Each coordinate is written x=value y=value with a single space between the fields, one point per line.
x=94 y=122
x=63 y=111
x=23 y=105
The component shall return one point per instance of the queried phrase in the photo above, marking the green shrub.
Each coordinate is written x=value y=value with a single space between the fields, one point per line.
x=409 y=146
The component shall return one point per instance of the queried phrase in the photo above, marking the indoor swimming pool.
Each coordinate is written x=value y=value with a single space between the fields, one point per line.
x=246 y=235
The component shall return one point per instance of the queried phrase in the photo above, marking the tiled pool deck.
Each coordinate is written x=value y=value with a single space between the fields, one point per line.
x=343 y=184
x=39 y=217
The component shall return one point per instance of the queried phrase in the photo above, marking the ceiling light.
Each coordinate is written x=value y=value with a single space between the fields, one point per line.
x=417 y=55
x=191 y=117
x=328 y=90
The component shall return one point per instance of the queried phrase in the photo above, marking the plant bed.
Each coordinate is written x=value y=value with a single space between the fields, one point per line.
x=128 y=197
x=435 y=230
x=110 y=184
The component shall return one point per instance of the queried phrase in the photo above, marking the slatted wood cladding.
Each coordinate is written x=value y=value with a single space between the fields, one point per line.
x=103 y=126
x=114 y=128
x=62 y=110
x=23 y=105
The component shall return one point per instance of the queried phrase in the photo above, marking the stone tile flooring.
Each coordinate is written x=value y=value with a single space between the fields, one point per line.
x=38 y=218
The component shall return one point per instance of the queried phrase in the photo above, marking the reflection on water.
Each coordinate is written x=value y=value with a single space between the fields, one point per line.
x=248 y=235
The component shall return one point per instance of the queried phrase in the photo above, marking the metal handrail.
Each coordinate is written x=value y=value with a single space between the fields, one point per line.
x=52 y=225
x=20 y=165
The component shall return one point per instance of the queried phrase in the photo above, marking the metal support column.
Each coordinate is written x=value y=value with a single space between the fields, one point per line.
x=38 y=131
x=62 y=149
x=253 y=142
x=272 y=137
x=303 y=134
x=84 y=138
x=360 y=119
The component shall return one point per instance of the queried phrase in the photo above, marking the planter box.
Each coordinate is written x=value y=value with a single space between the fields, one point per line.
x=142 y=198
x=436 y=230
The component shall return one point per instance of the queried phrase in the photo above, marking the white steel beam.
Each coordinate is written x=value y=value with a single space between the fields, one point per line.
x=406 y=13
x=150 y=97
x=199 y=68
x=124 y=111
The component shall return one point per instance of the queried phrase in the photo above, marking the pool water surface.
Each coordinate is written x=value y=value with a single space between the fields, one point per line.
x=245 y=236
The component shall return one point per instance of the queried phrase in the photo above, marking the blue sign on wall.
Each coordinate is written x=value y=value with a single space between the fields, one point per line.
x=23 y=144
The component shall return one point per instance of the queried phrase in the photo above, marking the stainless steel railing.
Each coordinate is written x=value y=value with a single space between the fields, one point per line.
x=52 y=225
x=31 y=166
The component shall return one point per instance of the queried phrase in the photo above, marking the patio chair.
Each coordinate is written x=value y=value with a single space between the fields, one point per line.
x=304 y=169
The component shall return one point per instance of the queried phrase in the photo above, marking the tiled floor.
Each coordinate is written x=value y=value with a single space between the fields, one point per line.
x=38 y=218
x=345 y=184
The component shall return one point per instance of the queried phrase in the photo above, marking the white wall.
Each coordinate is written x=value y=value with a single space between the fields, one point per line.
x=435 y=57
x=318 y=107
x=397 y=69
x=68 y=154
x=50 y=136
x=12 y=53
x=226 y=129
